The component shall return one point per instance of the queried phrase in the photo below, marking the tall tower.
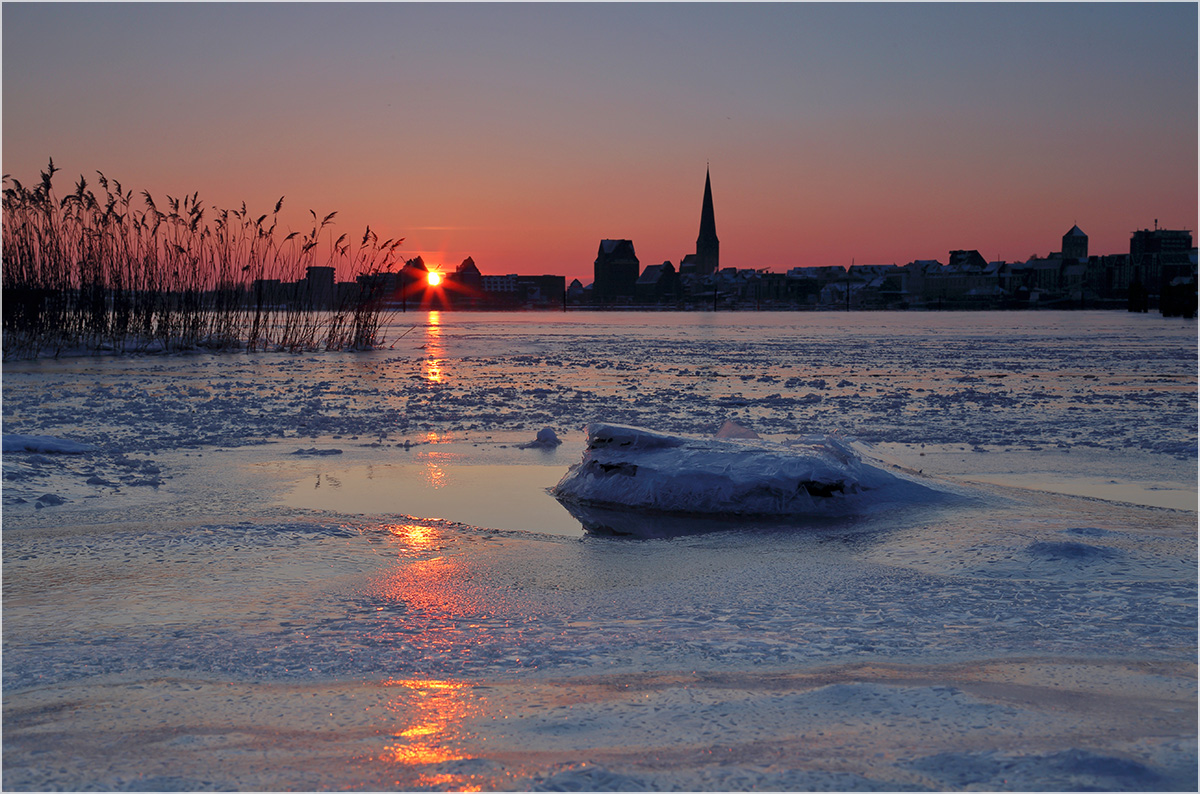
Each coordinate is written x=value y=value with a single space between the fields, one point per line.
x=708 y=247
x=1075 y=244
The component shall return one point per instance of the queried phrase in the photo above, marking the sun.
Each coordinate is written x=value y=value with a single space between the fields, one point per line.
x=433 y=278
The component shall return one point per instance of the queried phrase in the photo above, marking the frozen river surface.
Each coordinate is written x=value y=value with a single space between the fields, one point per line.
x=331 y=571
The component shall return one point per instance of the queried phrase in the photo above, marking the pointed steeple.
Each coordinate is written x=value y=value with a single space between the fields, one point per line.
x=708 y=247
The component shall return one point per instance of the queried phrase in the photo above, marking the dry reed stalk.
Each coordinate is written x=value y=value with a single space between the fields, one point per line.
x=97 y=272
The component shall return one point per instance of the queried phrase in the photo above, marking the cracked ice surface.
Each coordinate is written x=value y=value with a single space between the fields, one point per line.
x=1103 y=381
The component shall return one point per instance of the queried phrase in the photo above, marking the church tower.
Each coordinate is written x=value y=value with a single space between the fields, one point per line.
x=1075 y=245
x=708 y=247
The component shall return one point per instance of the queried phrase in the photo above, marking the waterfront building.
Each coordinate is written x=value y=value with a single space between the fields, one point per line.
x=1045 y=273
x=543 y=290
x=514 y=290
x=657 y=284
x=1157 y=256
x=1075 y=245
x=967 y=260
x=505 y=285
x=318 y=285
x=1108 y=276
x=575 y=291
x=368 y=287
x=967 y=276
x=616 y=272
x=468 y=277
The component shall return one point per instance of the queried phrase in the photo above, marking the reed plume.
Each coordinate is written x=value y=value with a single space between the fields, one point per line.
x=96 y=270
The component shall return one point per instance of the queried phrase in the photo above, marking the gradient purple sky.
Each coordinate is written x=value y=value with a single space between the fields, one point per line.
x=523 y=134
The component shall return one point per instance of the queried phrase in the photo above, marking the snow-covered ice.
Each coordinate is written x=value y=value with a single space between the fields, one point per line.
x=190 y=604
x=641 y=470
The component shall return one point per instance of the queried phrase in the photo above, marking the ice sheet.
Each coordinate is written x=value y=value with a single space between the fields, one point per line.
x=172 y=620
x=477 y=494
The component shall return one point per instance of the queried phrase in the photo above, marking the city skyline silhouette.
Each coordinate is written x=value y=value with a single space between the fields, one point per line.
x=521 y=135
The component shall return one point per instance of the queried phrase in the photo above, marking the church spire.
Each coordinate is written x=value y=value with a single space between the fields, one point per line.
x=708 y=247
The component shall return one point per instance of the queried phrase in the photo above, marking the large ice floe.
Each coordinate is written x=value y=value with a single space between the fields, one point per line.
x=734 y=475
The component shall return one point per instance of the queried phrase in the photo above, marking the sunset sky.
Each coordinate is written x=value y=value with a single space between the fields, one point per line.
x=521 y=135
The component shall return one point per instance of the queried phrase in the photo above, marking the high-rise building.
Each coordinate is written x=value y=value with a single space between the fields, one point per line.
x=1159 y=241
x=1159 y=256
x=708 y=247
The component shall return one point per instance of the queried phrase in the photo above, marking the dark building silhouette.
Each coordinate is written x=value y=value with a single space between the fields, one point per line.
x=575 y=291
x=1075 y=245
x=708 y=247
x=319 y=286
x=657 y=284
x=467 y=274
x=1160 y=261
x=464 y=287
x=370 y=287
x=616 y=272
x=411 y=280
x=967 y=259
x=1159 y=241
x=515 y=291
x=545 y=290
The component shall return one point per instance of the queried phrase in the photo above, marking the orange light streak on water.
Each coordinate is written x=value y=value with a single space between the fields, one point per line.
x=433 y=711
x=443 y=603
x=435 y=476
x=428 y=717
x=431 y=366
x=415 y=535
x=431 y=586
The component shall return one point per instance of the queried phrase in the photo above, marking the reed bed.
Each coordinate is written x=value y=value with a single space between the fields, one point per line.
x=100 y=270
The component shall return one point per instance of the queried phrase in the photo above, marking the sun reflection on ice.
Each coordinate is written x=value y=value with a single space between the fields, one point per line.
x=435 y=474
x=415 y=535
x=431 y=712
x=431 y=366
x=445 y=615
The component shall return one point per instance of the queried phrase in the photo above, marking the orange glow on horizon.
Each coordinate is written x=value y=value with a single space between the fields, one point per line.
x=434 y=278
